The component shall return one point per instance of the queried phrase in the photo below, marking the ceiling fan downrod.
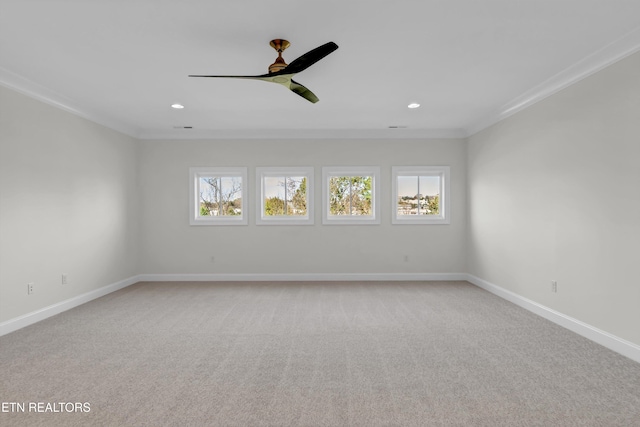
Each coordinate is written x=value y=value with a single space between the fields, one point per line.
x=279 y=45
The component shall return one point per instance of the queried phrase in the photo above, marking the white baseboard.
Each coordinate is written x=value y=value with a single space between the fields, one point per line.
x=303 y=277
x=619 y=345
x=38 y=315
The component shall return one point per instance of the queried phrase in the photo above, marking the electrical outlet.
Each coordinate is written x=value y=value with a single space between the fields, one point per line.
x=29 y=288
x=406 y=258
x=65 y=278
x=213 y=260
x=554 y=286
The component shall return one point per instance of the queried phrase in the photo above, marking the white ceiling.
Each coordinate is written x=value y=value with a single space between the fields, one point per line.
x=469 y=63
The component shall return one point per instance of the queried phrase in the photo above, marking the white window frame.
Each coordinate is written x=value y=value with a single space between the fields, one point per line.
x=194 y=200
x=265 y=172
x=445 y=194
x=331 y=171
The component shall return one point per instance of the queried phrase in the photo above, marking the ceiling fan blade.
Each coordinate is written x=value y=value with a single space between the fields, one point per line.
x=260 y=77
x=303 y=92
x=280 y=78
x=308 y=59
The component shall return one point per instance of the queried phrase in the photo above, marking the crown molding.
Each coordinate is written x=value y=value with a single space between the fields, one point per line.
x=36 y=91
x=600 y=59
x=226 y=134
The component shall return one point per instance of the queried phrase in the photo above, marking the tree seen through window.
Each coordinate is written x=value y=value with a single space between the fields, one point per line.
x=350 y=195
x=220 y=196
x=285 y=196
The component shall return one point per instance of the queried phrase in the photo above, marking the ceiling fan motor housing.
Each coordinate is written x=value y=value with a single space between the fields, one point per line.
x=279 y=45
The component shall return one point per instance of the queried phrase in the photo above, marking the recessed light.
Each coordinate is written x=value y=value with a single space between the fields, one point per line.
x=413 y=105
x=177 y=106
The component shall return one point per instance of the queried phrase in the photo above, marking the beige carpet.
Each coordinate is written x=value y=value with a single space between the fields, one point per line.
x=311 y=354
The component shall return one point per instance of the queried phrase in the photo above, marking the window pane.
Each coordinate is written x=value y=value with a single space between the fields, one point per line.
x=274 y=195
x=297 y=195
x=361 y=195
x=407 y=203
x=220 y=196
x=429 y=195
x=350 y=195
x=338 y=196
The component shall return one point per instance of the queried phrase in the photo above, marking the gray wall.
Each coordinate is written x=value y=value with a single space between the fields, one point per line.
x=68 y=204
x=550 y=193
x=170 y=245
x=554 y=194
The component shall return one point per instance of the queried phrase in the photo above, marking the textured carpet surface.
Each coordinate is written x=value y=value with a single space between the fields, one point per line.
x=310 y=354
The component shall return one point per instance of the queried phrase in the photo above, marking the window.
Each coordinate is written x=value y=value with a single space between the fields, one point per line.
x=216 y=196
x=420 y=195
x=350 y=195
x=286 y=196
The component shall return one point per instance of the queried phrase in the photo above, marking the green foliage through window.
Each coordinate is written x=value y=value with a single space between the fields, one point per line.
x=350 y=195
x=285 y=196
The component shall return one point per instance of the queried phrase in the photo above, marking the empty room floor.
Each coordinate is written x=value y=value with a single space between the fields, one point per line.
x=310 y=354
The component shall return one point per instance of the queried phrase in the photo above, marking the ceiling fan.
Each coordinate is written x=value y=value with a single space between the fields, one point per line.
x=281 y=73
